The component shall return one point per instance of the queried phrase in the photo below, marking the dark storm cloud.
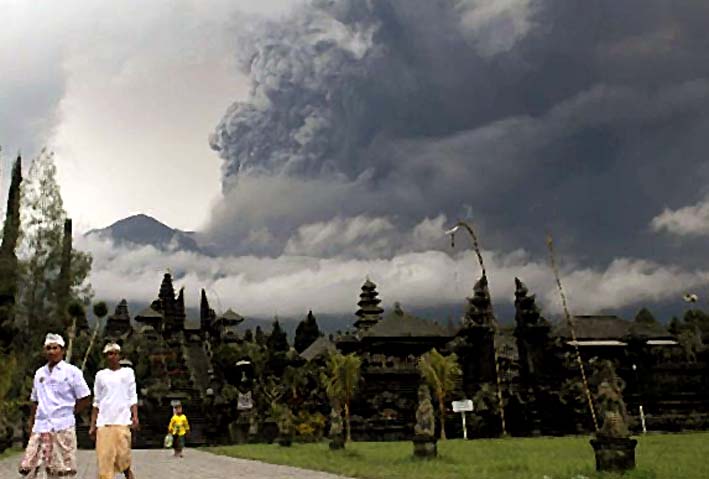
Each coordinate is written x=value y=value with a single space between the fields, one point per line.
x=588 y=120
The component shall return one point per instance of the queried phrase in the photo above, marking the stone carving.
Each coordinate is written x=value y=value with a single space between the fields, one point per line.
x=609 y=398
x=613 y=447
x=425 y=416
x=336 y=434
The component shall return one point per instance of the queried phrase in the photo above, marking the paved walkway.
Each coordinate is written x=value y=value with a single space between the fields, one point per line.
x=159 y=463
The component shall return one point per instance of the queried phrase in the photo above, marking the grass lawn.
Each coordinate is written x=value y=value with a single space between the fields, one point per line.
x=9 y=452
x=658 y=456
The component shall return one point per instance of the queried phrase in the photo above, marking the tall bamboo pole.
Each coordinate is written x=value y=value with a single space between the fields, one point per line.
x=476 y=247
x=555 y=269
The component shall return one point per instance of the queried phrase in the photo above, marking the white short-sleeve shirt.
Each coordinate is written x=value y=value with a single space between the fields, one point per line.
x=114 y=394
x=56 y=393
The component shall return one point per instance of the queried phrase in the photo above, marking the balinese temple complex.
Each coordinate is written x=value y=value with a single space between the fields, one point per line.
x=535 y=358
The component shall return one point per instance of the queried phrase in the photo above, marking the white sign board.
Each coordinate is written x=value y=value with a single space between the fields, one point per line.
x=244 y=401
x=462 y=406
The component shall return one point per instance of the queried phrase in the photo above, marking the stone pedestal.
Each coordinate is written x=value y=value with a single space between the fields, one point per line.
x=337 y=442
x=238 y=432
x=614 y=454
x=285 y=440
x=425 y=447
x=269 y=431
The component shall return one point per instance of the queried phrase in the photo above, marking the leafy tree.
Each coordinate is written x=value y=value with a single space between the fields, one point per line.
x=675 y=325
x=294 y=379
x=441 y=373
x=696 y=318
x=43 y=220
x=341 y=381
x=306 y=333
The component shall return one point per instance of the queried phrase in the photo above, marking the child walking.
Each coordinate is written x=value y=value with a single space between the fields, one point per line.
x=179 y=427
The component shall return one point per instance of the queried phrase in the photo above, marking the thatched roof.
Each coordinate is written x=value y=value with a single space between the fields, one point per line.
x=320 y=346
x=399 y=324
x=230 y=317
x=602 y=327
x=148 y=313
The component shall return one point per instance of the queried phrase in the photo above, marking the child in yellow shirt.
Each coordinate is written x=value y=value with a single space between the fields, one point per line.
x=179 y=428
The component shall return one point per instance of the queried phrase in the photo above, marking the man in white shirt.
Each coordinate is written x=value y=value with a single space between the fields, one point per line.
x=114 y=413
x=58 y=392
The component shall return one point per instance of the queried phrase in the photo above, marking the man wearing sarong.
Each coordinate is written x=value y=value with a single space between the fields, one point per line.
x=58 y=392
x=114 y=413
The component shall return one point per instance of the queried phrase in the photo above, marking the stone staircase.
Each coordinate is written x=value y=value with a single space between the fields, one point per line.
x=199 y=364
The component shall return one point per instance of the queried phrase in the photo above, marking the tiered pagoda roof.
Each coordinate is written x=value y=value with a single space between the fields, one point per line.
x=369 y=312
x=527 y=314
x=118 y=324
x=479 y=309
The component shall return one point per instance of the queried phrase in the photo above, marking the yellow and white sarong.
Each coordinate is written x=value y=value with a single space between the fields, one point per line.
x=113 y=449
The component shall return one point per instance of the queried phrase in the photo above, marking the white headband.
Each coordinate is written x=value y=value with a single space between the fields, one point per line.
x=111 y=347
x=54 y=339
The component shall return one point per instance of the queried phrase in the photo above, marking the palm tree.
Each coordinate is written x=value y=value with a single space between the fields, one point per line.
x=441 y=373
x=341 y=382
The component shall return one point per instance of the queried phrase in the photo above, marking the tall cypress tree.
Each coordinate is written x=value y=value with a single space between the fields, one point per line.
x=277 y=341
x=8 y=259
x=306 y=333
x=63 y=285
x=259 y=337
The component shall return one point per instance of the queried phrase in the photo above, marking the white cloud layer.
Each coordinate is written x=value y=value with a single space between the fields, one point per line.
x=690 y=220
x=291 y=285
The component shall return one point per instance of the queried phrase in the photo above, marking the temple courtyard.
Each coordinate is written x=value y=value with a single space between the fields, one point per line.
x=158 y=463
x=659 y=456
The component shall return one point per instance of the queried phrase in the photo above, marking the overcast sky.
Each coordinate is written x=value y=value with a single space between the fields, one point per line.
x=313 y=143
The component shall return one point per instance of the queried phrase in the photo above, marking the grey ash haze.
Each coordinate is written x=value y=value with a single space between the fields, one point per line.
x=360 y=130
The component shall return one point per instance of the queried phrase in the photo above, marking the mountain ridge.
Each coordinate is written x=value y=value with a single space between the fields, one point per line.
x=141 y=229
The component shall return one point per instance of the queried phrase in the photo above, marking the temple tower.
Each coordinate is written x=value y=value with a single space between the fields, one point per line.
x=118 y=324
x=369 y=312
x=532 y=333
x=166 y=304
x=477 y=348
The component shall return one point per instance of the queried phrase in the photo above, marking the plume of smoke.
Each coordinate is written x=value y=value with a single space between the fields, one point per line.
x=407 y=109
